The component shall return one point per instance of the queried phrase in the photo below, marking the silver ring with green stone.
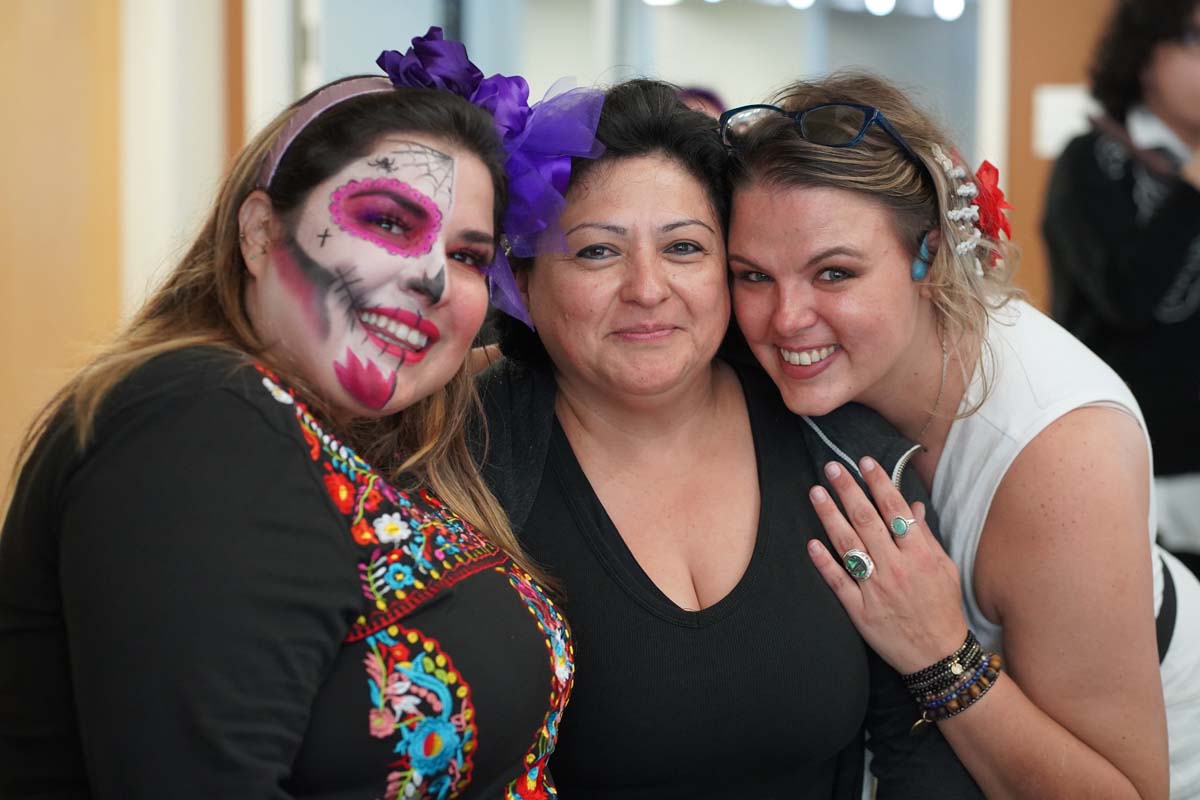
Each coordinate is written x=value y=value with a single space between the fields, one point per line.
x=858 y=564
x=901 y=525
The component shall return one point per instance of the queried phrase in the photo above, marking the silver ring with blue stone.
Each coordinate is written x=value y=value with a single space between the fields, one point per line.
x=900 y=526
x=858 y=564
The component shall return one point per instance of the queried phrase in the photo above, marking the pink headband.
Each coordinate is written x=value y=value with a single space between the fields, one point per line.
x=316 y=105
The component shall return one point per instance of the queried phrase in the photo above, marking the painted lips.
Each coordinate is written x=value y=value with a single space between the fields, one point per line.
x=399 y=333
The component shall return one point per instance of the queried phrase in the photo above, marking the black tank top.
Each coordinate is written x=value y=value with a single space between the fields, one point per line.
x=760 y=695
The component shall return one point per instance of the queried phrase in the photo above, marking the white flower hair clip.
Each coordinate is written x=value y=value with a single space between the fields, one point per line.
x=964 y=215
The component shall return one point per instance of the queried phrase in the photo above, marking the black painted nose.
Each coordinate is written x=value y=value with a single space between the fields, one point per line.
x=432 y=286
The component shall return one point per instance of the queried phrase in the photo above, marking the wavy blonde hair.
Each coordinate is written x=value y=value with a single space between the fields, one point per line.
x=202 y=303
x=774 y=153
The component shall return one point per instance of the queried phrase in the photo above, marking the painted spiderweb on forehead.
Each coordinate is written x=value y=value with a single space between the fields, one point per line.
x=424 y=163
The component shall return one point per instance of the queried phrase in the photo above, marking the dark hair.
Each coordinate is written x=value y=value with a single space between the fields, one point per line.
x=640 y=117
x=349 y=130
x=704 y=95
x=1134 y=29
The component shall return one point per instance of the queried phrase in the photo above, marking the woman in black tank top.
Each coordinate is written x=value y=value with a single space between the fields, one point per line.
x=664 y=489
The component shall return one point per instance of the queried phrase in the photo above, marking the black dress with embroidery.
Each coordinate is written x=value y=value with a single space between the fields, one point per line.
x=218 y=599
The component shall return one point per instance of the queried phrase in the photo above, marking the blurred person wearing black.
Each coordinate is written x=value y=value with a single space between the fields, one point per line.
x=1122 y=227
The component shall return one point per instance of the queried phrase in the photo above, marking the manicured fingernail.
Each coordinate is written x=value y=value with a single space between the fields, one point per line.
x=814 y=547
x=832 y=469
x=867 y=464
x=818 y=494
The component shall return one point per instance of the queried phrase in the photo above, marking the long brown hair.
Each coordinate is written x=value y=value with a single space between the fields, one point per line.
x=202 y=303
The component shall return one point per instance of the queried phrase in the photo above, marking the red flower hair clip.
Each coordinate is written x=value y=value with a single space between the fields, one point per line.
x=991 y=202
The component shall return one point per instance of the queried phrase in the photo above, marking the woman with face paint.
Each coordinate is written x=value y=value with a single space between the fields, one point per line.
x=868 y=266
x=658 y=484
x=249 y=554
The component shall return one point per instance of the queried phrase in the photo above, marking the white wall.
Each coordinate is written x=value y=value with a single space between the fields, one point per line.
x=350 y=36
x=172 y=127
x=489 y=28
x=933 y=59
x=992 y=32
x=740 y=48
x=269 y=59
x=568 y=38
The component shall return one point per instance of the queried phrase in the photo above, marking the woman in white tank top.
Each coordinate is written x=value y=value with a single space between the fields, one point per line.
x=868 y=266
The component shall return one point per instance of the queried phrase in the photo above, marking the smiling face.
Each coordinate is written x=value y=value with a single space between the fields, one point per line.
x=374 y=288
x=638 y=303
x=824 y=295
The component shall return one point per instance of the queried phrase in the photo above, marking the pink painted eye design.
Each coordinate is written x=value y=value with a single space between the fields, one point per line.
x=389 y=213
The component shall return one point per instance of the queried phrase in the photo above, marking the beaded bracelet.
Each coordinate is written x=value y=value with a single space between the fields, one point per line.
x=935 y=700
x=951 y=665
x=962 y=665
x=963 y=696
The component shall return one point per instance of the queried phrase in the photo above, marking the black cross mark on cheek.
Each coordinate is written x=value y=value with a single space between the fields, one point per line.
x=323 y=236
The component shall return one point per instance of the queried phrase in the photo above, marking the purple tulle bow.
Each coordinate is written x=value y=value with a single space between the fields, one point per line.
x=539 y=141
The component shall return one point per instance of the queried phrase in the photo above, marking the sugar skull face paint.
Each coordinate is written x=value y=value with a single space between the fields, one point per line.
x=389 y=213
x=376 y=287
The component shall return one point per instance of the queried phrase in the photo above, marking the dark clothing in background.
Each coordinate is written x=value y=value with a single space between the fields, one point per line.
x=1124 y=247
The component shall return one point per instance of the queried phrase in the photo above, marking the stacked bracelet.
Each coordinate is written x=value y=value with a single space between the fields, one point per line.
x=966 y=692
x=947 y=671
x=955 y=683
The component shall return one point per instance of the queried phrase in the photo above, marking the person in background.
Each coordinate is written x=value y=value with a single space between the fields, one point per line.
x=870 y=266
x=249 y=555
x=1122 y=230
x=659 y=484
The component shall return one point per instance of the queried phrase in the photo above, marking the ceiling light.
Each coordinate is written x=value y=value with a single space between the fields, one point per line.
x=662 y=2
x=949 y=10
x=881 y=8
x=801 y=4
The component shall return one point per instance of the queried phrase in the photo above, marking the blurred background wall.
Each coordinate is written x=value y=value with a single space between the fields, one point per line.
x=123 y=113
x=60 y=224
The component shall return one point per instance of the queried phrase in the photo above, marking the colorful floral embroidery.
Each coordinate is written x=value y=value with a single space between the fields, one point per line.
x=535 y=783
x=419 y=547
x=414 y=547
x=417 y=694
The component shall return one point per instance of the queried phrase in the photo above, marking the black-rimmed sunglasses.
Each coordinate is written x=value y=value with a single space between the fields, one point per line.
x=828 y=124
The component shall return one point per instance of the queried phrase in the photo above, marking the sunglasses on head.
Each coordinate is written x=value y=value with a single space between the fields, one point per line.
x=828 y=124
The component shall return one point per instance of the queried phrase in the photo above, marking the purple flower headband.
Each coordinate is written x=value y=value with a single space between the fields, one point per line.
x=539 y=142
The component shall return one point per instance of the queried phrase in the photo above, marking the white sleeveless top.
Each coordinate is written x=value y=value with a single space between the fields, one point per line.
x=1038 y=373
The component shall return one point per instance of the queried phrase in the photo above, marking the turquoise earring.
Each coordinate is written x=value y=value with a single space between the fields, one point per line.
x=920 y=265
